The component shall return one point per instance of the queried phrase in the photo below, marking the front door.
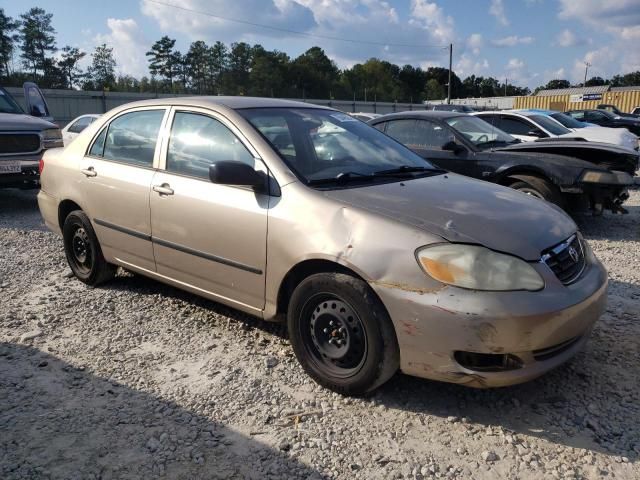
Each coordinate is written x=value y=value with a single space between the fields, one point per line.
x=205 y=235
x=116 y=178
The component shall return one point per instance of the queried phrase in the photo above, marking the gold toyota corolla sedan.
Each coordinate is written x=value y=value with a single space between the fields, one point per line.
x=377 y=260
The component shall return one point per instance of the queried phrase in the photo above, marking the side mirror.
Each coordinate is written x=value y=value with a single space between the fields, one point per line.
x=454 y=147
x=235 y=173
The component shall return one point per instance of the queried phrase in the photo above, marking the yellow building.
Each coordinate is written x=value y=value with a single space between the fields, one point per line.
x=625 y=98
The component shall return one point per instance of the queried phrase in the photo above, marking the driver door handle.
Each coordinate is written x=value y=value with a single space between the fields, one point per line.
x=89 y=172
x=163 y=189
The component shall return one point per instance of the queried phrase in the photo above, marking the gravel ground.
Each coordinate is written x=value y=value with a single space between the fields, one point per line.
x=139 y=380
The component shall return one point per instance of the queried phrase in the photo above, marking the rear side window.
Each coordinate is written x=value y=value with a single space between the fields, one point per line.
x=578 y=115
x=131 y=138
x=515 y=126
x=197 y=141
x=80 y=124
x=404 y=131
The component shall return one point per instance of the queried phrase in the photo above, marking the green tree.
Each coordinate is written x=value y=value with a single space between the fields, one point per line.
x=628 y=80
x=37 y=37
x=164 y=61
x=68 y=65
x=236 y=76
x=314 y=74
x=102 y=70
x=434 y=91
x=8 y=39
x=554 y=84
x=596 y=82
x=268 y=74
x=195 y=62
x=218 y=61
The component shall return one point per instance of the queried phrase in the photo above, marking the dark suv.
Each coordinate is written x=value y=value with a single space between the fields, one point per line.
x=605 y=118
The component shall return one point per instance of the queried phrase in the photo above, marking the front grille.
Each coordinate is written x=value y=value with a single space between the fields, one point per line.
x=550 y=352
x=566 y=260
x=19 y=143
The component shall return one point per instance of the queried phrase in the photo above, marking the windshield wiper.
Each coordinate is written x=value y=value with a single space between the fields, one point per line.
x=341 y=178
x=492 y=143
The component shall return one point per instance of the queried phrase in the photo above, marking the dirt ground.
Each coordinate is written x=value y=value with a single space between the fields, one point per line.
x=136 y=380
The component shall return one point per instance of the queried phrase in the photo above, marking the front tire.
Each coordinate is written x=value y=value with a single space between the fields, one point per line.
x=539 y=188
x=341 y=333
x=83 y=251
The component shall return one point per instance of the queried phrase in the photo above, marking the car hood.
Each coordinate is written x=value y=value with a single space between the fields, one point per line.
x=580 y=153
x=460 y=209
x=19 y=121
x=617 y=136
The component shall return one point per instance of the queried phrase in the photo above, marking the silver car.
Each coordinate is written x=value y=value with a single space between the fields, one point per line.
x=377 y=260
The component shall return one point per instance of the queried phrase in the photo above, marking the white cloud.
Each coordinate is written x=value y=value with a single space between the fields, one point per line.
x=620 y=19
x=432 y=18
x=467 y=65
x=497 y=10
x=475 y=42
x=129 y=46
x=365 y=20
x=567 y=38
x=512 y=41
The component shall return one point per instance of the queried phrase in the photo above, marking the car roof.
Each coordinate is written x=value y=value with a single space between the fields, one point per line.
x=232 y=102
x=438 y=114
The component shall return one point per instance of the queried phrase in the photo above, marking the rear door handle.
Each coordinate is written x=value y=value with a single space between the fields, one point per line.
x=89 y=172
x=163 y=189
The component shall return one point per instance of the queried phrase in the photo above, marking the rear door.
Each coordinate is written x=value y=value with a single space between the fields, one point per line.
x=209 y=236
x=116 y=178
x=35 y=102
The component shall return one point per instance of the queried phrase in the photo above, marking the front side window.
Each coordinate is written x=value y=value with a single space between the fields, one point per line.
x=419 y=134
x=131 y=138
x=515 y=126
x=319 y=144
x=567 y=120
x=549 y=125
x=197 y=141
x=479 y=132
x=577 y=114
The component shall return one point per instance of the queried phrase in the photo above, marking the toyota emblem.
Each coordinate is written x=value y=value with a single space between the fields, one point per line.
x=573 y=253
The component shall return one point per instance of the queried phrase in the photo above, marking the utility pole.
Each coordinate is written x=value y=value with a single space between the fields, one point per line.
x=450 y=68
x=586 y=69
x=506 y=83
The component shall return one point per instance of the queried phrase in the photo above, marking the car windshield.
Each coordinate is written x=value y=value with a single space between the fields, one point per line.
x=7 y=103
x=567 y=120
x=320 y=144
x=479 y=132
x=549 y=125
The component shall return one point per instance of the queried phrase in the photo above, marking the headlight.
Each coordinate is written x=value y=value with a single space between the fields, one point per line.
x=615 y=178
x=52 y=138
x=478 y=268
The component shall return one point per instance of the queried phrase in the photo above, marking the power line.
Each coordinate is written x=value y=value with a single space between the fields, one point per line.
x=295 y=32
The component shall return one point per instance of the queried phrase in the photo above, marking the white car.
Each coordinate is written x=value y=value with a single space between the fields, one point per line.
x=365 y=116
x=530 y=125
x=77 y=125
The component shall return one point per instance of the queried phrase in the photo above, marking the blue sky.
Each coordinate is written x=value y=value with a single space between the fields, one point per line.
x=527 y=41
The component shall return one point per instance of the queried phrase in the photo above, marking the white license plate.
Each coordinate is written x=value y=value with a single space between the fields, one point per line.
x=9 y=167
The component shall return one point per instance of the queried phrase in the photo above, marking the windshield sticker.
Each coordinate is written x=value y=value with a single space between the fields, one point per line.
x=343 y=117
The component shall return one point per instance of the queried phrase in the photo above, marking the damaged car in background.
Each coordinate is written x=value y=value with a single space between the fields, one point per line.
x=574 y=175
x=377 y=260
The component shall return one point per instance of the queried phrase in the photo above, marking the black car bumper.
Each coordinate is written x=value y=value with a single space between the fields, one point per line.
x=28 y=177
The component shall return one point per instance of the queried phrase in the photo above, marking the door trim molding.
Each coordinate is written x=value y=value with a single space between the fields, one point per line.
x=177 y=246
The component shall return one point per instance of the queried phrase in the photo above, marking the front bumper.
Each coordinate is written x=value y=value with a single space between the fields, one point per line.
x=29 y=176
x=541 y=329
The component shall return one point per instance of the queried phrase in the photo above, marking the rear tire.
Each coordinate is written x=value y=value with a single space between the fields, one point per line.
x=83 y=251
x=341 y=333
x=539 y=188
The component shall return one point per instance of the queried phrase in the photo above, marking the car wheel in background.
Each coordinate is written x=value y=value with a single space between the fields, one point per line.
x=341 y=333
x=537 y=187
x=83 y=251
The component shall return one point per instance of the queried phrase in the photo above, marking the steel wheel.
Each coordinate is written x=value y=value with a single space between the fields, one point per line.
x=334 y=335
x=82 y=251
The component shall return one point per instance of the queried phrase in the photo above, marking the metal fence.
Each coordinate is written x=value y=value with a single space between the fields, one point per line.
x=65 y=105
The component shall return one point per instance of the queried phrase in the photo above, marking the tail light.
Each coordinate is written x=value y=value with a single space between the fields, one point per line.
x=41 y=166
